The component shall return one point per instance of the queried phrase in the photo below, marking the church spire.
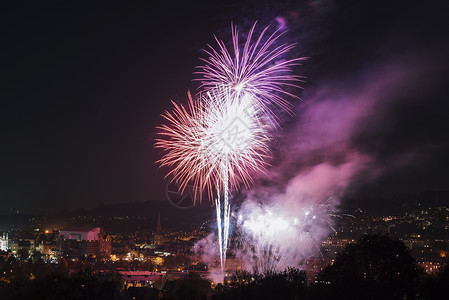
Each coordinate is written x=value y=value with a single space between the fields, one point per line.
x=158 y=232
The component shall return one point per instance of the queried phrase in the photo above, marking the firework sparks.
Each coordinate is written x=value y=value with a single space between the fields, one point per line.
x=214 y=142
x=274 y=236
x=258 y=68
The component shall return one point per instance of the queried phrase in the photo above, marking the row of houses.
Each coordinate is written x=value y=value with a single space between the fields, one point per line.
x=70 y=242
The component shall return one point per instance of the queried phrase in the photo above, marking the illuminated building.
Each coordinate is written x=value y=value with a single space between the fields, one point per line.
x=314 y=266
x=157 y=260
x=333 y=244
x=139 y=278
x=431 y=267
x=4 y=242
x=83 y=241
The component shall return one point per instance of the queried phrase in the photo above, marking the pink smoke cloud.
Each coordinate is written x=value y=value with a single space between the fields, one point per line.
x=289 y=211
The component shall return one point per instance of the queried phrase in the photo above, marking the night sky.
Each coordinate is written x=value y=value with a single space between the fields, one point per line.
x=83 y=86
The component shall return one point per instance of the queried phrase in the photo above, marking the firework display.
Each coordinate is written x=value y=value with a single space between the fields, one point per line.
x=222 y=136
x=215 y=144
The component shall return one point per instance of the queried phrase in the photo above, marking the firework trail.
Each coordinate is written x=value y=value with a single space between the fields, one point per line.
x=222 y=137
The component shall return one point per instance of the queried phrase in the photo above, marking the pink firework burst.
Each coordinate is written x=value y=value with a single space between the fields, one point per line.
x=257 y=68
x=215 y=143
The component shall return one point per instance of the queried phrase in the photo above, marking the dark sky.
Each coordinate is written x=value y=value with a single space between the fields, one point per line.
x=83 y=86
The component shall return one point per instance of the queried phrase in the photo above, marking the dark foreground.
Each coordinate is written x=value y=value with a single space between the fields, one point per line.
x=376 y=267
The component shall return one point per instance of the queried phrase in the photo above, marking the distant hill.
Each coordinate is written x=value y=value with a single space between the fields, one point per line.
x=132 y=214
x=398 y=203
x=148 y=208
x=143 y=215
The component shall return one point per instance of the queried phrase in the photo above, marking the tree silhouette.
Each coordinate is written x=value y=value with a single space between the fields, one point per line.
x=191 y=287
x=289 y=284
x=63 y=266
x=176 y=261
x=376 y=267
